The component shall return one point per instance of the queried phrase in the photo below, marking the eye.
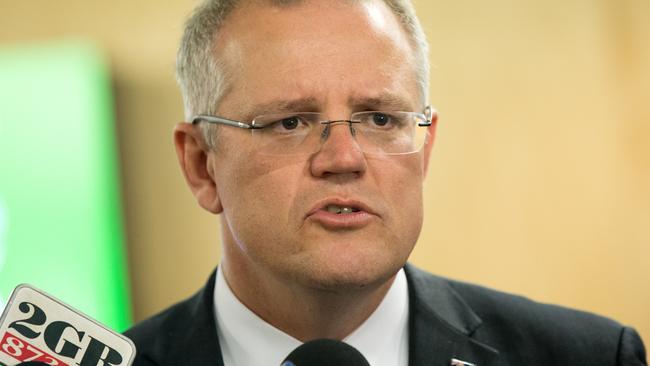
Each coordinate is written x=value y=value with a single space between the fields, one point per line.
x=380 y=119
x=287 y=124
x=290 y=123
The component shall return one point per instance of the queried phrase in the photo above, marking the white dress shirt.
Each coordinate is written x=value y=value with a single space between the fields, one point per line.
x=247 y=340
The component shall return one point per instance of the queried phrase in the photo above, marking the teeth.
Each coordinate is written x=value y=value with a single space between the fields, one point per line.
x=340 y=210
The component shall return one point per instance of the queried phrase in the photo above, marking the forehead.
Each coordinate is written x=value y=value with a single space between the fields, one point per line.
x=317 y=50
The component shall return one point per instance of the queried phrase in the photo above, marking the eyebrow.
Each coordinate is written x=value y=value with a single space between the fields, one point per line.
x=309 y=104
x=383 y=100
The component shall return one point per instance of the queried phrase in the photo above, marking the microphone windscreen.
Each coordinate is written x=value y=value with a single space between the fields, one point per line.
x=32 y=363
x=325 y=352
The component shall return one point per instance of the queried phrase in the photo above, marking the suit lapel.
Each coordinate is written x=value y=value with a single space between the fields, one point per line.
x=442 y=324
x=200 y=344
x=441 y=327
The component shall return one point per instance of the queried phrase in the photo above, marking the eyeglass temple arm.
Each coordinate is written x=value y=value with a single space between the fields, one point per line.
x=222 y=121
x=428 y=116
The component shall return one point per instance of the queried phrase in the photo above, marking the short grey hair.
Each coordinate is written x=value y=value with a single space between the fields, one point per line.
x=203 y=78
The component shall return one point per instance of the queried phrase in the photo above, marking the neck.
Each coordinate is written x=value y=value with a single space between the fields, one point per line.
x=304 y=312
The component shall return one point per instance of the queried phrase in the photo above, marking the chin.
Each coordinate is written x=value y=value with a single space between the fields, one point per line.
x=351 y=275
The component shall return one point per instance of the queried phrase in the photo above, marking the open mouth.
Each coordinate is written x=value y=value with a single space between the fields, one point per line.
x=341 y=214
x=341 y=210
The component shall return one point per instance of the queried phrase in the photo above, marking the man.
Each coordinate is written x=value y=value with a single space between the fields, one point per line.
x=309 y=134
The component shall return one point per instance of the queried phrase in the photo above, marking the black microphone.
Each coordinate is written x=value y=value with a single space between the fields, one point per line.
x=325 y=352
x=32 y=363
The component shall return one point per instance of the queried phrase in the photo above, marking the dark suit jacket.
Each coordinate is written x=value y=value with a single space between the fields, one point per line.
x=449 y=319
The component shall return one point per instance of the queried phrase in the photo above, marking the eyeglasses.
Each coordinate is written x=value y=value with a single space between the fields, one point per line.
x=375 y=132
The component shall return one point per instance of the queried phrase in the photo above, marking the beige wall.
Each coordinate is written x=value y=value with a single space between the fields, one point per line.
x=540 y=178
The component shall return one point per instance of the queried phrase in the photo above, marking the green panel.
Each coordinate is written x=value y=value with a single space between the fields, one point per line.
x=60 y=214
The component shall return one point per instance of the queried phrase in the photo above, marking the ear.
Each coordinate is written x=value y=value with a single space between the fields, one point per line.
x=195 y=159
x=428 y=143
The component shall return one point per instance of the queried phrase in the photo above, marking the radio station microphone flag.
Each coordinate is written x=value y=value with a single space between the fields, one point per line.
x=36 y=329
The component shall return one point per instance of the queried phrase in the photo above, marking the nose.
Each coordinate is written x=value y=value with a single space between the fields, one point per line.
x=339 y=153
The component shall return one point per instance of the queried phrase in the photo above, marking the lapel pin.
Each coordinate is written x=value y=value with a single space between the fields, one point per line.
x=457 y=362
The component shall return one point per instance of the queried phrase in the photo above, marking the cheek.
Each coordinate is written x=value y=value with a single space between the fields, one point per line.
x=258 y=198
x=399 y=179
x=400 y=186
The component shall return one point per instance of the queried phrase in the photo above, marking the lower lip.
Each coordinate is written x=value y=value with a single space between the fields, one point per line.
x=349 y=221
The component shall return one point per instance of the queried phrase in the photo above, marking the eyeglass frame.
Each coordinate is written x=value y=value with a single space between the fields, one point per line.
x=427 y=114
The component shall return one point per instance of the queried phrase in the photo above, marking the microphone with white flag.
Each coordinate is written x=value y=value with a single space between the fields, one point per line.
x=38 y=329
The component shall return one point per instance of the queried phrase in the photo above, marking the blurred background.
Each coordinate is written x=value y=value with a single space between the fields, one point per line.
x=539 y=182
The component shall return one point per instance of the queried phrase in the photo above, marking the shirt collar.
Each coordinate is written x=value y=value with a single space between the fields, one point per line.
x=247 y=340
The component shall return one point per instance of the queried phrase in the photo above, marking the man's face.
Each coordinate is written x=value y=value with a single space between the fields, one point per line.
x=319 y=56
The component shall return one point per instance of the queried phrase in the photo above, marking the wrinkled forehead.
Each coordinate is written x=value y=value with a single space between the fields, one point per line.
x=309 y=15
x=314 y=47
x=257 y=22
